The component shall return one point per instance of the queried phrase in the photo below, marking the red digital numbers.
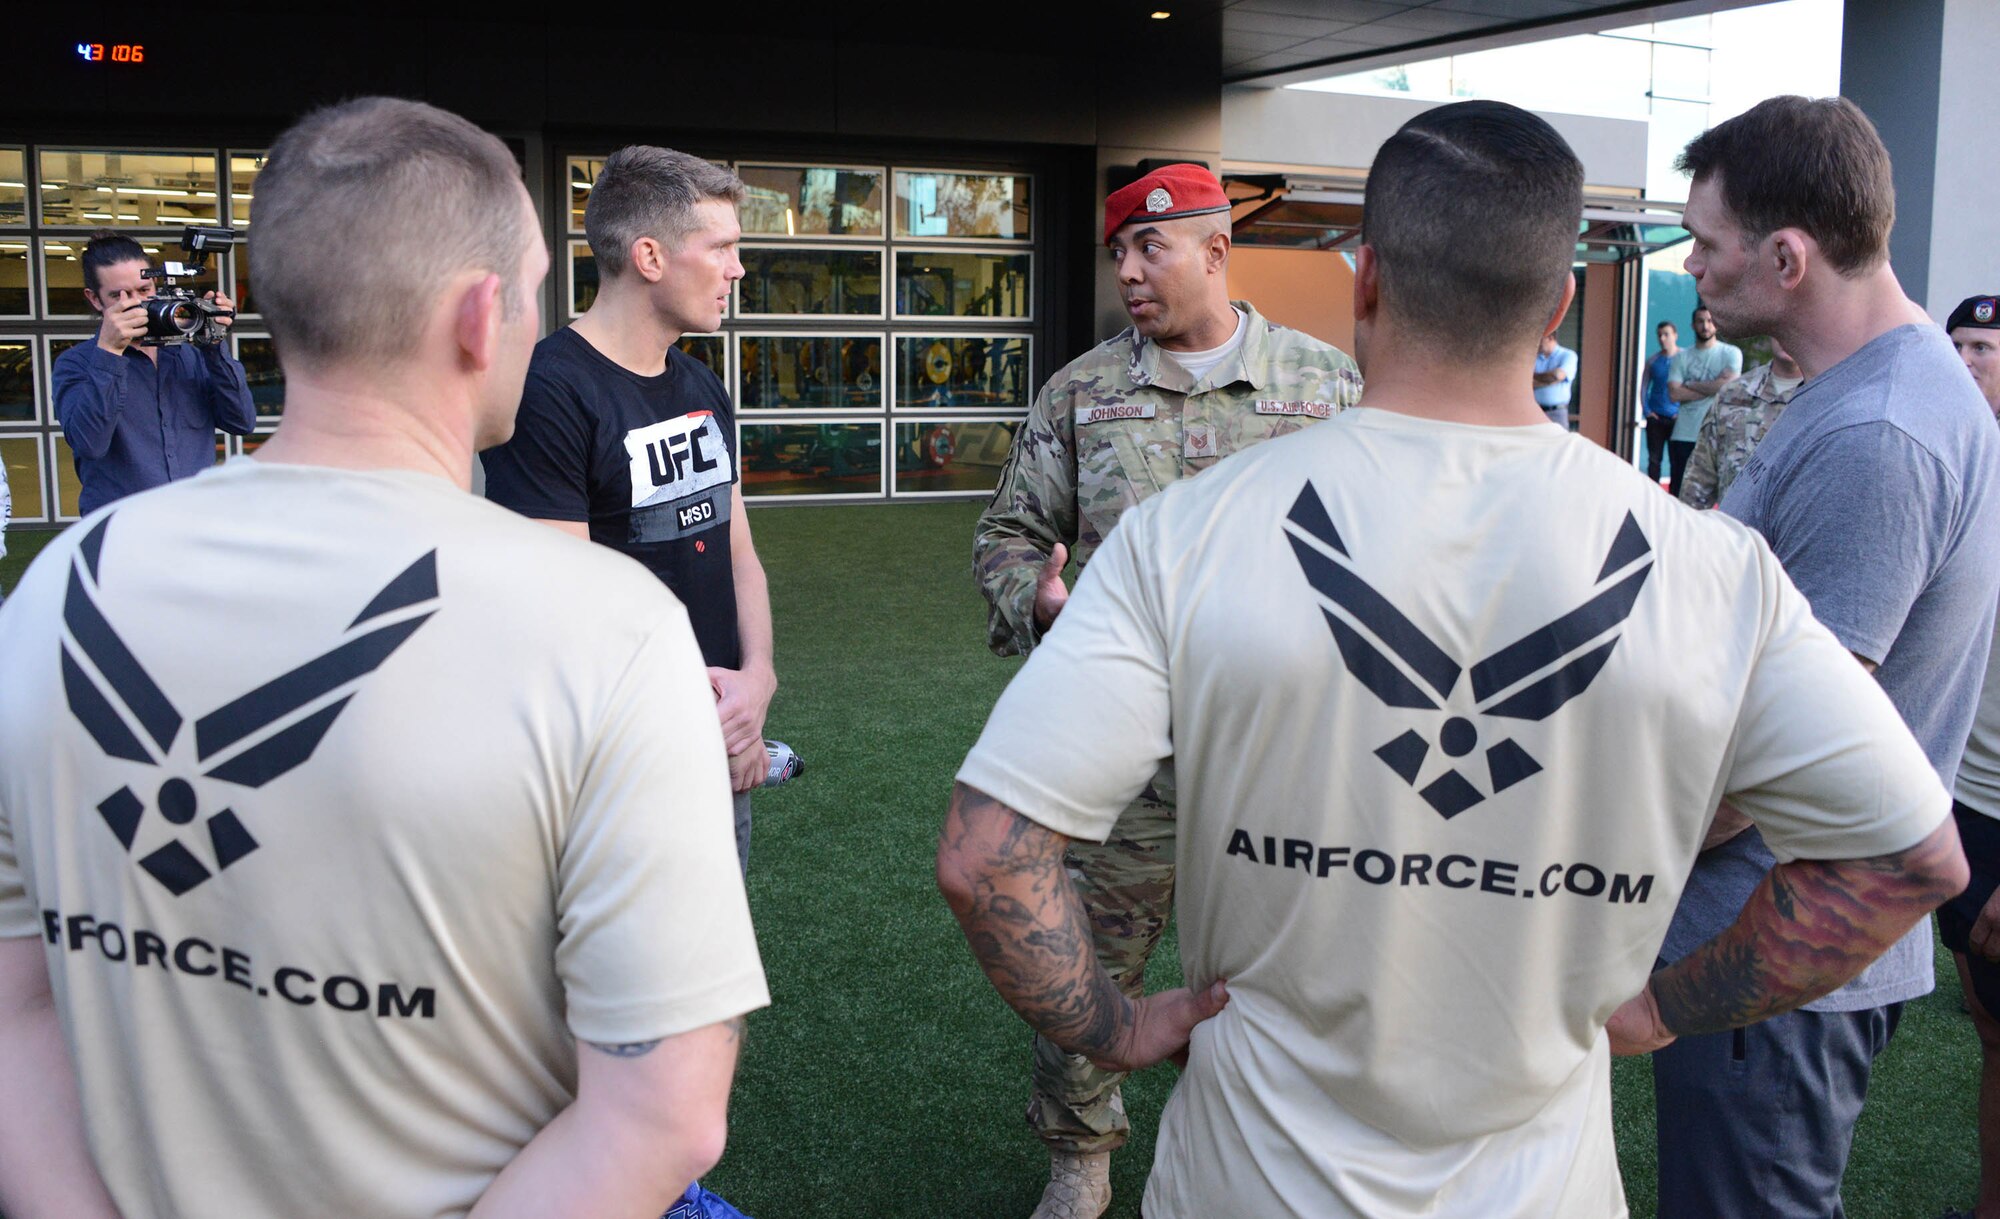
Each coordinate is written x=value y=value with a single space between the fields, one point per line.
x=117 y=52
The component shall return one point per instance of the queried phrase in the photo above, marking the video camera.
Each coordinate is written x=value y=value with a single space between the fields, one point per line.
x=179 y=315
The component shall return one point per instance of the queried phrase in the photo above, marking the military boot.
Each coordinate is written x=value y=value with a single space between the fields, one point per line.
x=1079 y=1186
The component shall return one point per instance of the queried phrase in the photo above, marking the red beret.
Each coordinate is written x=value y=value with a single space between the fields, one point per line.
x=1168 y=193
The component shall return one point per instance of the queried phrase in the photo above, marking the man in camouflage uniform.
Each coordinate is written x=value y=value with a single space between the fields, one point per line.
x=1744 y=411
x=1195 y=378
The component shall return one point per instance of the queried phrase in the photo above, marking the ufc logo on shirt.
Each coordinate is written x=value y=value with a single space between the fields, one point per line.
x=676 y=459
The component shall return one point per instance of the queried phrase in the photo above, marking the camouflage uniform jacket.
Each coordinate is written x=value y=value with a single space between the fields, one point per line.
x=1744 y=411
x=1122 y=421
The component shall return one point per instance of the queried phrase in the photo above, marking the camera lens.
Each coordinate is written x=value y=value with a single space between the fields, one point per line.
x=170 y=317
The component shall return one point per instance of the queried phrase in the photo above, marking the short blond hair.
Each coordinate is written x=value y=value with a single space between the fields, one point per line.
x=362 y=211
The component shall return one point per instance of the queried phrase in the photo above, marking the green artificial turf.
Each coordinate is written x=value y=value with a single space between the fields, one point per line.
x=22 y=547
x=888 y=1080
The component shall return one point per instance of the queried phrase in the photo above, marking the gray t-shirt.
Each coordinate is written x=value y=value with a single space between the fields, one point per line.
x=1876 y=491
x=1700 y=364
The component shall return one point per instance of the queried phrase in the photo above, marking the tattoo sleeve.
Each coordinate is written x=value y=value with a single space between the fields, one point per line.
x=1809 y=928
x=1004 y=878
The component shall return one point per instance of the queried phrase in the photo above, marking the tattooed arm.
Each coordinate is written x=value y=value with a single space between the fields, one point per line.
x=649 y=1117
x=1809 y=928
x=1003 y=876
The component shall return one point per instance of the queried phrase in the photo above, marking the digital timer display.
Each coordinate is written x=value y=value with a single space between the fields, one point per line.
x=114 y=52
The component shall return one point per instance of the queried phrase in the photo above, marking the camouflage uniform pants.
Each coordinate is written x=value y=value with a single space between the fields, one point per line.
x=1127 y=886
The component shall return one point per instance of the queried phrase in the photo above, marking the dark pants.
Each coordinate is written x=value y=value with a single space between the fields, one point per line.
x=1759 y=1121
x=1980 y=836
x=1658 y=432
x=1678 y=452
x=743 y=831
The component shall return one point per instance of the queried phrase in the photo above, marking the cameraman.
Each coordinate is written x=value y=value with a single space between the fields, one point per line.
x=137 y=416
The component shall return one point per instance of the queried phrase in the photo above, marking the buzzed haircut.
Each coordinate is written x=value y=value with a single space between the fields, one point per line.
x=1473 y=210
x=108 y=249
x=1667 y=326
x=644 y=191
x=363 y=210
x=1815 y=164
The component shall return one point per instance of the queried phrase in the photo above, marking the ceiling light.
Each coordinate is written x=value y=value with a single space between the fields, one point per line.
x=1160 y=14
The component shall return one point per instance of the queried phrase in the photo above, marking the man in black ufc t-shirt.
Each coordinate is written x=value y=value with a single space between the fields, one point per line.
x=627 y=440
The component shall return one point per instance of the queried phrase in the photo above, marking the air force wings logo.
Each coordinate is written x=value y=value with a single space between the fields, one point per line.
x=1529 y=679
x=247 y=742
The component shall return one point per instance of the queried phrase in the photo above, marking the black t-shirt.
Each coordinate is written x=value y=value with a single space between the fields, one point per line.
x=648 y=462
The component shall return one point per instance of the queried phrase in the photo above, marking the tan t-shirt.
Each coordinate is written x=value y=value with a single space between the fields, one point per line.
x=343 y=803
x=1451 y=707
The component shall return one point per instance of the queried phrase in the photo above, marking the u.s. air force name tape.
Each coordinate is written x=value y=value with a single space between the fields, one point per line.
x=1316 y=410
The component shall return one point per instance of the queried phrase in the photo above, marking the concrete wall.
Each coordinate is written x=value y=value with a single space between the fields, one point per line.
x=1342 y=131
x=1889 y=61
x=1965 y=204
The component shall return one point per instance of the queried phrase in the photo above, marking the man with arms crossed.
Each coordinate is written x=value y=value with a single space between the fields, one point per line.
x=1555 y=380
x=1195 y=378
x=1696 y=376
x=1969 y=924
x=1414 y=839
x=356 y=874
x=1743 y=412
x=628 y=441
x=1660 y=406
x=1876 y=490
x=135 y=415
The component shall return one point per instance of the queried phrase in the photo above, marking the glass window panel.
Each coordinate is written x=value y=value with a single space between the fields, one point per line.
x=582 y=277
x=817 y=372
x=962 y=283
x=94 y=187
x=22 y=455
x=1580 y=74
x=259 y=357
x=1699 y=31
x=1673 y=125
x=239 y=255
x=582 y=174
x=844 y=283
x=17 y=380
x=812 y=459
x=59 y=345
x=243 y=170
x=1680 y=72
x=936 y=204
x=710 y=349
x=15 y=295
x=951 y=454
x=13 y=186
x=810 y=201
x=62 y=273
x=947 y=370
x=68 y=489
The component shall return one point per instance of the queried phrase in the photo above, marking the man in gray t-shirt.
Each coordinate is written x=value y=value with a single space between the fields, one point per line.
x=1876 y=490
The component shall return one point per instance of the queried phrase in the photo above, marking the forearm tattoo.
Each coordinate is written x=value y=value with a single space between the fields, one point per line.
x=1809 y=928
x=1026 y=925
